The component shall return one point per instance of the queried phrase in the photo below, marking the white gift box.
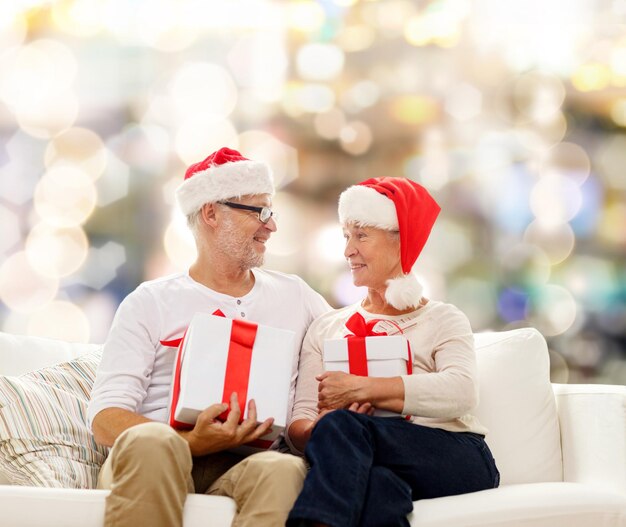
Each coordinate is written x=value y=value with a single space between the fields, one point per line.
x=386 y=357
x=201 y=367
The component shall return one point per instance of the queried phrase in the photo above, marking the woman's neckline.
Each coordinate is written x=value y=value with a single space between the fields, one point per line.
x=422 y=306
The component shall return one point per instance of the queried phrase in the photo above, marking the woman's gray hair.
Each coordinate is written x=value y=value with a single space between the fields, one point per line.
x=394 y=235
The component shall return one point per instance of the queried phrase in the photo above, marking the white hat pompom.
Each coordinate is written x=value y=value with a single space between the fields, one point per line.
x=404 y=291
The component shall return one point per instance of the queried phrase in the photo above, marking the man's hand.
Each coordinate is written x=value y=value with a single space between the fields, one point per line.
x=337 y=389
x=210 y=435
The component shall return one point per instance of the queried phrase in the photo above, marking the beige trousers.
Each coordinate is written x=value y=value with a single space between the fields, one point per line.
x=150 y=470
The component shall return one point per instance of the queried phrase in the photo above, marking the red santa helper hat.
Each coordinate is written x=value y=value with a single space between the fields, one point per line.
x=394 y=204
x=223 y=175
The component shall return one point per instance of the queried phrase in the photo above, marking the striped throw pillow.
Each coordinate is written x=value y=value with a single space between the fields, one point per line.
x=44 y=439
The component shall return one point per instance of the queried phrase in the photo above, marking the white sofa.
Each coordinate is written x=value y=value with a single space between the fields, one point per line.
x=561 y=449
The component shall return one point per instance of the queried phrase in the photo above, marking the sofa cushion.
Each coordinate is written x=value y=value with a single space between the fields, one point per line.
x=533 y=505
x=85 y=508
x=517 y=405
x=20 y=354
x=44 y=439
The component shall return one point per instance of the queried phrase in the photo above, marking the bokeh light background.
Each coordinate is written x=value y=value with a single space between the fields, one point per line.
x=513 y=114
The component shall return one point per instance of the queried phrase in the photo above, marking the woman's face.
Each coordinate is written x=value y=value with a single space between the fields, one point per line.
x=373 y=255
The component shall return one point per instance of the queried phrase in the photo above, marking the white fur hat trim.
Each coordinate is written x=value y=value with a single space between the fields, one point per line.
x=367 y=207
x=222 y=182
x=404 y=291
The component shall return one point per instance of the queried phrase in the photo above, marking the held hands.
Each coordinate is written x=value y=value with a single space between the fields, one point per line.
x=210 y=435
x=341 y=390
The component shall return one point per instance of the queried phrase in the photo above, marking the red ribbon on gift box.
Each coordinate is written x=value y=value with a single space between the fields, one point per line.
x=176 y=388
x=237 y=374
x=357 y=353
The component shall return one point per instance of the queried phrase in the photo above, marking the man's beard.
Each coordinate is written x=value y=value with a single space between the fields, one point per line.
x=232 y=243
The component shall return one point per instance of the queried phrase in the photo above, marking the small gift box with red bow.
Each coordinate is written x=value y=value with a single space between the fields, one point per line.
x=219 y=356
x=369 y=353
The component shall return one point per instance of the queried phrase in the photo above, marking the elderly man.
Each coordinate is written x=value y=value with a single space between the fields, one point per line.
x=152 y=467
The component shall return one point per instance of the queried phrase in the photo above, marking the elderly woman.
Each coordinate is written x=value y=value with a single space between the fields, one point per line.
x=367 y=469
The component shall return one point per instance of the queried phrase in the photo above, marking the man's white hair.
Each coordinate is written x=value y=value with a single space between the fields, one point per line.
x=193 y=221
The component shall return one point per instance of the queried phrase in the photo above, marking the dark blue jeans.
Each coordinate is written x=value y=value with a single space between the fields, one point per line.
x=367 y=471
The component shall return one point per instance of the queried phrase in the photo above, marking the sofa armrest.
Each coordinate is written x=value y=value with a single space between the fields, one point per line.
x=592 y=419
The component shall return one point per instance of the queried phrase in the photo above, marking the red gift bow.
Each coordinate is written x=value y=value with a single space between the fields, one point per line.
x=357 y=354
x=237 y=374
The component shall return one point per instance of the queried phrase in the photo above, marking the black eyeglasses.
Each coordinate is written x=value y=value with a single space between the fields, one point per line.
x=265 y=213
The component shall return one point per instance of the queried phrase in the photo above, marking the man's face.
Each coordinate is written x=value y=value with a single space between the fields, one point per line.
x=241 y=235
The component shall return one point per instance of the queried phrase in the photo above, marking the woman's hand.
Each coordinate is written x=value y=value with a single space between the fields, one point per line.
x=365 y=408
x=337 y=389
